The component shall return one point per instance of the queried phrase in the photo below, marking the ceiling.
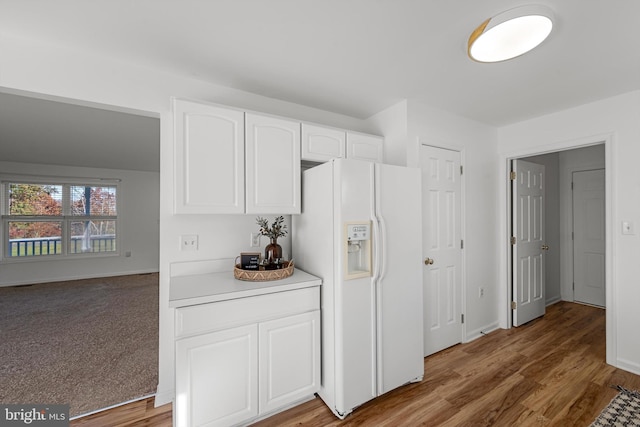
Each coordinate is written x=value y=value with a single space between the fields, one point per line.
x=355 y=57
x=36 y=130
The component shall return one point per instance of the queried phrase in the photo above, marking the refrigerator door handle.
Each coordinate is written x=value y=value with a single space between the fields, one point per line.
x=381 y=261
x=375 y=255
x=381 y=228
x=376 y=230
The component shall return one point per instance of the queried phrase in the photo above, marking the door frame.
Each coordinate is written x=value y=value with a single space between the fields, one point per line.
x=463 y=296
x=505 y=291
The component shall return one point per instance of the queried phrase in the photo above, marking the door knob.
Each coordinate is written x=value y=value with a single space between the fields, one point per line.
x=545 y=247
x=428 y=261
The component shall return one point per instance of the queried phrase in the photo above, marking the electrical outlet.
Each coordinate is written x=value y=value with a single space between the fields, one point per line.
x=189 y=242
x=255 y=240
x=481 y=292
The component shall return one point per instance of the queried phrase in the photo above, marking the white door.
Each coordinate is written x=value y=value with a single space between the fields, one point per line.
x=589 y=237
x=442 y=248
x=528 y=282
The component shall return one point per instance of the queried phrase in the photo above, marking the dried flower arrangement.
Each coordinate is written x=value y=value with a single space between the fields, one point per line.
x=277 y=229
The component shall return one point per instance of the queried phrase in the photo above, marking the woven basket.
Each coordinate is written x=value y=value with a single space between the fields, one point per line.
x=263 y=275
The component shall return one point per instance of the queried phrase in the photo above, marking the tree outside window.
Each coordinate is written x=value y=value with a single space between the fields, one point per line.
x=59 y=219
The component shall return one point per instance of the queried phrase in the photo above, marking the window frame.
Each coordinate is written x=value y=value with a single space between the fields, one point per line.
x=66 y=218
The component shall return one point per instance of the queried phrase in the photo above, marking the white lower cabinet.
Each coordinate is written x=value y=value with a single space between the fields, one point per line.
x=217 y=377
x=244 y=372
x=289 y=362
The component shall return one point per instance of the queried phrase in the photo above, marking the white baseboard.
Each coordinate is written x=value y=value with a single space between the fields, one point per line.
x=164 y=397
x=553 y=301
x=477 y=333
x=628 y=366
x=79 y=277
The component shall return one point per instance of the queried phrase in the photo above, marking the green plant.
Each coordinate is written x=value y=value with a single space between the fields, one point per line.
x=277 y=229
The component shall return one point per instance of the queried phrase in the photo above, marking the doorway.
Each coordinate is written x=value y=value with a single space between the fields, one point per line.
x=62 y=138
x=560 y=268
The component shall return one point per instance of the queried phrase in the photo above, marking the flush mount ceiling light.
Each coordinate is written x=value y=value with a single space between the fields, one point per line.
x=510 y=34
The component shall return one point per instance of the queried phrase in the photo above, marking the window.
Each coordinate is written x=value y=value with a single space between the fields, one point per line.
x=46 y=218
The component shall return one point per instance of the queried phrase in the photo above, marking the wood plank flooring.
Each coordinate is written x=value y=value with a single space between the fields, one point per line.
x=140 y=413
x=549 y=372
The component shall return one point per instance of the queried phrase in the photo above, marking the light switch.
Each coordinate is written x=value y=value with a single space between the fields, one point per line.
x=628 y=228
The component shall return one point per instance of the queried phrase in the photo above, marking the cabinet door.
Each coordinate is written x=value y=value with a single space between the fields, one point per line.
x=209 y=158
x=320 y=144
x=364 y=147
x=272 y=165
x=289 y=360
x=217 y=378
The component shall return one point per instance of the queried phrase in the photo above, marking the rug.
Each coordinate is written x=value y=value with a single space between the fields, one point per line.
x=623 y=411
x=89 y=343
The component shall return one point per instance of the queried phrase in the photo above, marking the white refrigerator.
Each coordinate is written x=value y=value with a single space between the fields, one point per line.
x=361 y=231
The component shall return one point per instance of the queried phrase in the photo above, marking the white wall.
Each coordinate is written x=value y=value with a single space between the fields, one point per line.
x=614 y=121
x=392 y=123
x=138 y=201
x=40 y=67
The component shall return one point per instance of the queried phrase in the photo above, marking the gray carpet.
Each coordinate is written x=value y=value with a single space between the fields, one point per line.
x=87 y=343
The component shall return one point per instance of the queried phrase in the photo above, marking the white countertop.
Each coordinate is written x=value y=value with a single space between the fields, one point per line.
x=213 y=287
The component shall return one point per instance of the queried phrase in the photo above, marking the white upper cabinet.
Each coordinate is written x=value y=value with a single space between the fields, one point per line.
x=231 y=162
x=209 y=158
x=320 y=144
x=272 y=165
x=361 y=146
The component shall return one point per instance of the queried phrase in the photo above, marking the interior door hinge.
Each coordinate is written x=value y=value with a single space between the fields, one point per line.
x=461 y=244
x=572 y=235
x=462 y=318
x=512 y=176
x=573 y=286
x=513 y=240
x=460 y=169
x=514 y=305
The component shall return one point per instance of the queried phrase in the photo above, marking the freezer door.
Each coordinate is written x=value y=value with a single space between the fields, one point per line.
x=355 y=323
x=399 y=286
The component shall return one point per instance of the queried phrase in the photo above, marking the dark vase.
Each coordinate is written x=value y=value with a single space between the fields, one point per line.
x=273 y=253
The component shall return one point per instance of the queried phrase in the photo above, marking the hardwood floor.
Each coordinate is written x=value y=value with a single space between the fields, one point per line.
x=140 y=413
x=549 y=372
